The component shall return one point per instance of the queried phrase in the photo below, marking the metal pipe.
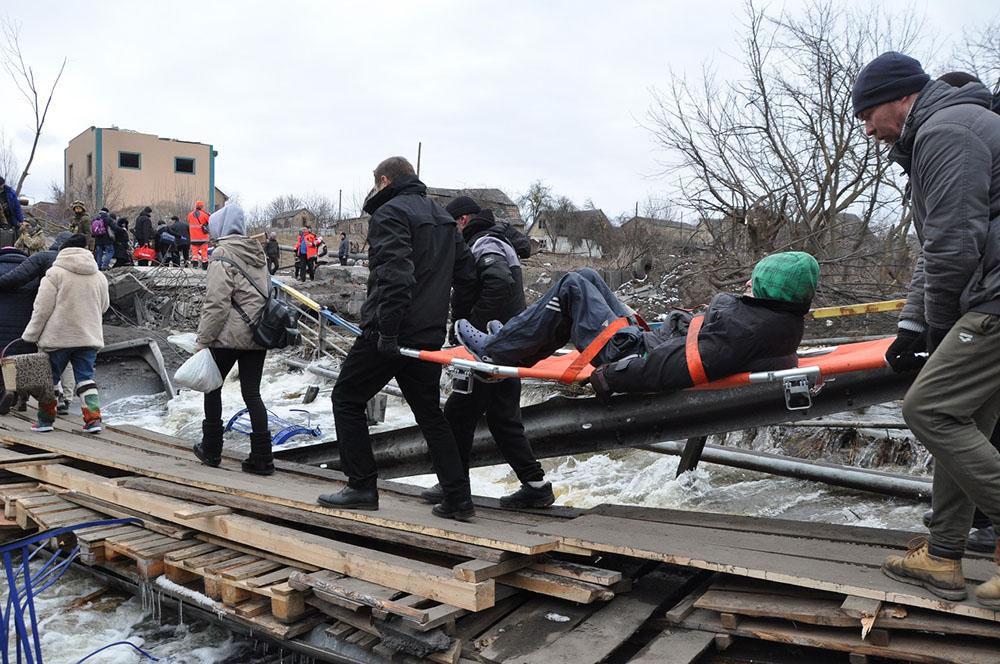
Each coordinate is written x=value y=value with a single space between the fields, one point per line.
x=329 y=373
x=849 y=424
x=816 y=471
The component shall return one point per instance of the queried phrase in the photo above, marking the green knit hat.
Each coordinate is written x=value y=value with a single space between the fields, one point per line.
x=790 y=276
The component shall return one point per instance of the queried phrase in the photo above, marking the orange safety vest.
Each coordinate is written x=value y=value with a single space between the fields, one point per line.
x=310 y=245
x=198 y=226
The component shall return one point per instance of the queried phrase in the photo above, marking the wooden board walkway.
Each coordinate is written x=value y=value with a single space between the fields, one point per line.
x=499 y=589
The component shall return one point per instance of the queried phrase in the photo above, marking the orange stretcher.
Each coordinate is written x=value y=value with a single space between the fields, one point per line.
x=813 y=364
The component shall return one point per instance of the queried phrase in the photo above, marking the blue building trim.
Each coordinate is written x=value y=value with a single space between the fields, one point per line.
x=211 y=178
x=99 y=167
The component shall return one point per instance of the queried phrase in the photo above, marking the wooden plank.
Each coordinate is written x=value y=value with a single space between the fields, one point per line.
x=387 y=569
x=202 y=512
x=270 y=555
x=602 y=577
x=99 y=533
x=249 y=570
x=396 y=513
x=864 y=609
x=277 y=576
x=253 y=608
x=34 y=460
x=527 y=629
x=120 y=512
x=920 y=648
x=165 y=488
x=675 y=645
x=557 y=586
x=480 y=570
x=191 y=551
x=600 y=634
x=727 y=551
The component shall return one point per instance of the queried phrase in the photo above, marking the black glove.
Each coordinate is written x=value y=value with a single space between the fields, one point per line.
x=388 y=346
x=902 y=353
x=934 y=337
x=599 y=382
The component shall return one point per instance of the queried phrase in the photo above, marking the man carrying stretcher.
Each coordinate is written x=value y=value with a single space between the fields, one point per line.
x=758 y=331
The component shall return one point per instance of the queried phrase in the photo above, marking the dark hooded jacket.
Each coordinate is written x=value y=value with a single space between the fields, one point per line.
x=143 y=227
x=950 y=147
x=498 y=293
x=123 y=249
x=23 y=273
x=16 y=303
x=272 y=250
x=415 y=254
x=181 y=233
x=739 y=334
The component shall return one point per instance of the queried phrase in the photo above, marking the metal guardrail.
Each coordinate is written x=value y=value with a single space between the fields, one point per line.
x=315 y=323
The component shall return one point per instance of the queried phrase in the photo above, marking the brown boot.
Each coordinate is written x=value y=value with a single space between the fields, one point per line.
x=988 y=592
x=941 y=576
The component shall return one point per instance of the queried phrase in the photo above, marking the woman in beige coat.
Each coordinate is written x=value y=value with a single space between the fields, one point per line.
x=231 y=303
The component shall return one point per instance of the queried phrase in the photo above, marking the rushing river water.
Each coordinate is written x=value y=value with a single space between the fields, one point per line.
x=627 y=477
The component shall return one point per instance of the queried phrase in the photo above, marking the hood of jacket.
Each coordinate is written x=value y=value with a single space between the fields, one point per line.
x=76 y=260
x=935 y=96
x=408 y=184
x=230 y=220
x=242 y=248
x=60 y=239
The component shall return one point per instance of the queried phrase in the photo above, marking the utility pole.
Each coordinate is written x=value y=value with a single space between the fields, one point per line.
x=340 y=204
x=420 y=146
x=637 y=208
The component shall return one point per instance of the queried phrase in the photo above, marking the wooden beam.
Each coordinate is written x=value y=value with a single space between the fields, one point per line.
x=34 y=460
x=407 y=575
x=202 y=512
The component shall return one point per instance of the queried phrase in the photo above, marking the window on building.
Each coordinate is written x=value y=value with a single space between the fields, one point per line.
x=69 y=174
x=183 y=165
x=90 y=192
x=90 y=165
x=129 y=160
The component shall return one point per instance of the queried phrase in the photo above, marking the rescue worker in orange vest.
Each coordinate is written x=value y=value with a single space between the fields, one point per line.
x=198 y=229
x=305 y=255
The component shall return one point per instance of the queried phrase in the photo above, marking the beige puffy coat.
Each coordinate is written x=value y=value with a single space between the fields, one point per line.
x=70 y=305
x=221 y=325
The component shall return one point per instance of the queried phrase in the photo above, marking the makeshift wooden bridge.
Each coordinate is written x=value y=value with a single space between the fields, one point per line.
x=611 y=583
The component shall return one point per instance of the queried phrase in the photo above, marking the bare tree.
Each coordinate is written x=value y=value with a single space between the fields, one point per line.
x=979 y=52
x=9 y=166
x=775 y=159
x=23 y=76
x=534 y=201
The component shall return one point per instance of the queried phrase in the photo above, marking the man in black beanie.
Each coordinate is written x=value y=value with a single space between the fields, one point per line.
x=948 y=142
x=462 y=209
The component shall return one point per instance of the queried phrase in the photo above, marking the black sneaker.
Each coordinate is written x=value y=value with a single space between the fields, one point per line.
x=474 y=341
x=7 y=400
x=529 y=497
x=350 y=499
x=433 y=495
x=462 y=511
x=983 y=540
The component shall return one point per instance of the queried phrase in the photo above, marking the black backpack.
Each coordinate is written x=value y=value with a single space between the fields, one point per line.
x=277 y=324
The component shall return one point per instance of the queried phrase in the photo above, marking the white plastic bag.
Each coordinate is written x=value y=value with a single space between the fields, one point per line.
x=199 y=373
x=186 y=341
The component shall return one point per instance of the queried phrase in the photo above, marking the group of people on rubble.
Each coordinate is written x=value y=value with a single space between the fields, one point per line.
x=427 y=262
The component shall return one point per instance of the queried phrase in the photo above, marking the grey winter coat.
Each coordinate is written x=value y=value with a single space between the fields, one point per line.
x=950 y=147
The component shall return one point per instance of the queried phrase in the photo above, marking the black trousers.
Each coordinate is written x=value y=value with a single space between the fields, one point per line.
x=501 y=403
x=272 y=265
x=251 y=364
x=365 y=371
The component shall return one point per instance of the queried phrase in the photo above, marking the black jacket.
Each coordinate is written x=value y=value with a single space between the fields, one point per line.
x=20 y=273
x=123 y=249
x=415 y=253
x=498 y=293
x=739 y=334
x=271 y=249
x=344 y=250
x=143 y=228
x=16 y=303
x=180 y=230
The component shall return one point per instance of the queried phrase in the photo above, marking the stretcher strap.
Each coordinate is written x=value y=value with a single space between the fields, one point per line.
x=695 y=367
x=592 y=349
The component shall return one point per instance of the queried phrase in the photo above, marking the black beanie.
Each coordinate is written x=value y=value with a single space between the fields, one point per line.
x=462 y=205
x=76 y=240
x=888 y=77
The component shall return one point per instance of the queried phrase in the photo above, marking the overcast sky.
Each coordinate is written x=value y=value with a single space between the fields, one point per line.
x=301 y=97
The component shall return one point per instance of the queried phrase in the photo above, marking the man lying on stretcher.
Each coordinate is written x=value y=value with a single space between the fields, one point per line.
x=754 y=332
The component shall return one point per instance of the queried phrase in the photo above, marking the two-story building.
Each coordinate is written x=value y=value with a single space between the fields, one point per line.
x=124 y=169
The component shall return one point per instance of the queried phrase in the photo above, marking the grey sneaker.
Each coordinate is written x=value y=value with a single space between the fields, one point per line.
x=474 y=341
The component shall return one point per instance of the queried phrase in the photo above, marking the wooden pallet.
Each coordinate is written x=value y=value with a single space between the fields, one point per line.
x=252 y=585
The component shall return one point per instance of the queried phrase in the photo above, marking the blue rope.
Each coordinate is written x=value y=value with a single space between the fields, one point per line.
x=142 y=653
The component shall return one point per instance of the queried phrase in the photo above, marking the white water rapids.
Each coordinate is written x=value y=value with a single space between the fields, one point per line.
x=623 y=476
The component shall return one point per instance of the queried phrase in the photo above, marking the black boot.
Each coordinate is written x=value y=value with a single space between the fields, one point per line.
x=983 y=540
x=260 y=461
x=529 y=497
x=433 y=495
x=461 y=511
x=209 y=450
x=350 y=499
